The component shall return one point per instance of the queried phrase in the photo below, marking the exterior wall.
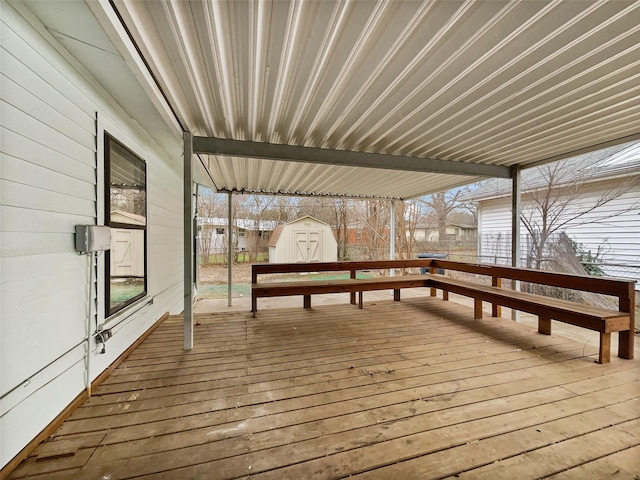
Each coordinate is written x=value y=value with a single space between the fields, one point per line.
x=51 y=180
x=618 y=235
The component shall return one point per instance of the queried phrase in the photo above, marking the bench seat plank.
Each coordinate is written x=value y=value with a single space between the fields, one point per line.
x=605 y=321
x=340 y=285
x=347 y=285
x=598 y=319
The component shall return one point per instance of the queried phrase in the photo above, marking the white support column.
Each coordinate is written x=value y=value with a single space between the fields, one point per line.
x=229 y=249
x=188 y=240
x=516 y=191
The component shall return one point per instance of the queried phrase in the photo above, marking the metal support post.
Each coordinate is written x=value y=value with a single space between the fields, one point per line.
x=230 y=249
x=188 y=241
x=516 y=192
x=392 y=234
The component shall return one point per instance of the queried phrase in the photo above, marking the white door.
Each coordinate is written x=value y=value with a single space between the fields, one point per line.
x=308 y=245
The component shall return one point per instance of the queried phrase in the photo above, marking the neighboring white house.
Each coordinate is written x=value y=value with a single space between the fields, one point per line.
x=455 y=232
x=305 y=239
x=613 y=228
x=217 y=231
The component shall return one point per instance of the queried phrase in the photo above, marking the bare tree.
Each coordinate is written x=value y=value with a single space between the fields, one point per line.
x=376 y=218
x=409 y=213
x=283 y=209
x=254 y=208
x=443 y=203
x=468 y=206
x=339 y=224
x=555 y=197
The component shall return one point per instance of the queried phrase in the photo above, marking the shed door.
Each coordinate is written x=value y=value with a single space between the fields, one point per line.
x=127 y=257
x=121 y=253
x=308 y=246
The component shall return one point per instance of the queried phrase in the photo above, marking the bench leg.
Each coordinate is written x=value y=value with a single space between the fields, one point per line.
x=604 y=355
x=544 y=325
x=352 y=295
x=445 y=295
x=396 y=295
x=307 y=301
x=477 y=308
x=433 y=292
x=496 y=310
x=625 y=344
x=360 y=300
x=254 y=306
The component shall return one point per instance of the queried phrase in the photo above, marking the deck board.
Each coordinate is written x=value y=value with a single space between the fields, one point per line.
x=411 y=389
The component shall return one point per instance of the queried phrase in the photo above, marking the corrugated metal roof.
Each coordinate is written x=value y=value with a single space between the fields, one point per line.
x=496 y=83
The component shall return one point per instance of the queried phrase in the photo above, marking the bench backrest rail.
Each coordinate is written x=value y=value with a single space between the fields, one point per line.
x=350 y=266
x=624 y=289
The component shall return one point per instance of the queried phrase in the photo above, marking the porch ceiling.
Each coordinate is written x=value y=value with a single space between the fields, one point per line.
x=426 y=84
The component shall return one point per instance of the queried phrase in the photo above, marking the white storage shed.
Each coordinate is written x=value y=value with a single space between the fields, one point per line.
x=305 y=239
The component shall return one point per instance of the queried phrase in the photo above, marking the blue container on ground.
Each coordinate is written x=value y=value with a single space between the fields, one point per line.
x=440 y=256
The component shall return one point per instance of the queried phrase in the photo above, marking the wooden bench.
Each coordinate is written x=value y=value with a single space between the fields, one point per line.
x=602 y=320
x=352 y=285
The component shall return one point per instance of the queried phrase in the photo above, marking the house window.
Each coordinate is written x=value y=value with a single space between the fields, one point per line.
x=126 y=214
x=219 y=231
x=241 y=233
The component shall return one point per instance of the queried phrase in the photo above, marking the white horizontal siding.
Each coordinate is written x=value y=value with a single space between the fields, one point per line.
x=51 y=390
x=19 y=121
x=31 y=187
x=494 y=229
x=614 y=227
x=49 y=182
x=42 y=63
x=164 y=189
x=37 y=107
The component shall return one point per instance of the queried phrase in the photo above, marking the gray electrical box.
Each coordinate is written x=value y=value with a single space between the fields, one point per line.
x=92 y=238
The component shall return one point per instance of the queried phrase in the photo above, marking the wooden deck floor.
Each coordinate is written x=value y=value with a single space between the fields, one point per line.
x=416 y=389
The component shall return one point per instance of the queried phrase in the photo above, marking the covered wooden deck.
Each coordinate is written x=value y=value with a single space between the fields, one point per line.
x=416 y=389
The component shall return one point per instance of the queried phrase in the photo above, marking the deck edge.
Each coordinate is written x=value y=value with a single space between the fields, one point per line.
x=75 y=403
